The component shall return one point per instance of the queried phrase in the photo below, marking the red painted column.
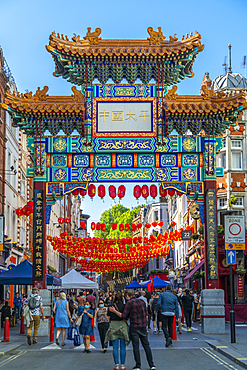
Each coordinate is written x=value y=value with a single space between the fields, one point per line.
x=208 y=242
x=39 y=235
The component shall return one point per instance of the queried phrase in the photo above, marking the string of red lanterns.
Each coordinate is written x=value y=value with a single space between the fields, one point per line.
x=138 y=191
x=27 y=210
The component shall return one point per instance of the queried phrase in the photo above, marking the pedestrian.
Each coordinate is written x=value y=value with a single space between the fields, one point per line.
x=109 y=299
x=34 y=300
x=148 y=296
x=61 y=309
x=180 y=306
x=118 y=332
x=103 y=323
x=157 y=319
x=169 y=307
x=136 y=310
x=143 y=297
x=187 y=301
x=195 y=305
x=73 y=309
x=86 y=327
x=91 y=298
x=17 y=305
x=81 y=299
x=6 y=311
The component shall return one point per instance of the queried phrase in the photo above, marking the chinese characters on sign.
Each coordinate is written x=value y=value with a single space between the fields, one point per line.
x=125 y=116
x=38 y=243
x=212 y=255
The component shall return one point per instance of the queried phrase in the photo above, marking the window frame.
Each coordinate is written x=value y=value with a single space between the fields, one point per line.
x=241 y=156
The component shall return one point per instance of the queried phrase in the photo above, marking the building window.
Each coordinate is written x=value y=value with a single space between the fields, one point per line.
x=240 y=201
x=237 y=144
x=156 y=215
x=237 y=161
x=23 y=186
x=222 y=160
x=222 y=202
x=238 y=213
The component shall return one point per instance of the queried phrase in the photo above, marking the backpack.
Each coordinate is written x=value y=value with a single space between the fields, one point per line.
x=155 y=300
x=32 y=303
x=77 y=340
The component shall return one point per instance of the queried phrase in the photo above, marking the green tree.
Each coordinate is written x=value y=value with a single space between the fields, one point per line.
x=124 y=218
x=108 y=217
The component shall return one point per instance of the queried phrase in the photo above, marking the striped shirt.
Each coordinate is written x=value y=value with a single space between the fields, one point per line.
x=36 y=311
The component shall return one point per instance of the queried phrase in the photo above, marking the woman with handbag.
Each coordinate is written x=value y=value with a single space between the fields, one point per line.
x=118 y=332
x=61 y=309
x=103 y=322
x=84 y=321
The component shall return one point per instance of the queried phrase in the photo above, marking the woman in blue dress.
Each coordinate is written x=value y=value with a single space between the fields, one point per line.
x=61 y=309
x=86 y=327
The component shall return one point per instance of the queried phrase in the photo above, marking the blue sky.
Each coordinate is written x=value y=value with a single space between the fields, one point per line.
x=25 y=27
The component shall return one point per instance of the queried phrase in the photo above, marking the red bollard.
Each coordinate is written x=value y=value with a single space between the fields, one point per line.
x=92 y=339
x=6 y=330
x=182 y=320
x=22 y=327
x=174 y=331
x=52 y=329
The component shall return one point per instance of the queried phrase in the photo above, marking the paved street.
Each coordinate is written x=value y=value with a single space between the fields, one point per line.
x=189 y=352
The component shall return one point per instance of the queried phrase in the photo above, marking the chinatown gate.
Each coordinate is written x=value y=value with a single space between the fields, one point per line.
x=123 y=131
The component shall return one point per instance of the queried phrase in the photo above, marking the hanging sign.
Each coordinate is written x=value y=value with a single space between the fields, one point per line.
x=38 y=243
x=234 y=232
x=186 y=234
x=211 y=230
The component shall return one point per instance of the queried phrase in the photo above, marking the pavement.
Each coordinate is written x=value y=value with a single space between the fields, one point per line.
x=191 y=348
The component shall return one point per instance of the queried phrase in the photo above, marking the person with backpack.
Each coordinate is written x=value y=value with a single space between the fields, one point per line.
x=63 y=315
x=34 y=303
x=157 y=320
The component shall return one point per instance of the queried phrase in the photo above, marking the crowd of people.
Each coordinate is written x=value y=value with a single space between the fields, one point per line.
x=121 y=317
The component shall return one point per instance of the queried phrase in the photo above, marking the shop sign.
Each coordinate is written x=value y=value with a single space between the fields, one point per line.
x=241 y=287
x=211 y=230
x=38 y=245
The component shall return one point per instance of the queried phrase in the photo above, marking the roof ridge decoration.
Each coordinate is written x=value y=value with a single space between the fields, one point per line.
x=155 y=36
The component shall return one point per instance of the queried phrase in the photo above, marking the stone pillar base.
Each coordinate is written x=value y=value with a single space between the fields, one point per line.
x=213 y=311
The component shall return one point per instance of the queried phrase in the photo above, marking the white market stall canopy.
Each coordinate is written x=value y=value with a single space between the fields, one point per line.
x=74 y=280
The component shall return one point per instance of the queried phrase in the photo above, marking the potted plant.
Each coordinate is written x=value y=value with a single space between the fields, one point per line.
x=232 y=200
x=241 y=271
x=194 y=236
x=220 y=229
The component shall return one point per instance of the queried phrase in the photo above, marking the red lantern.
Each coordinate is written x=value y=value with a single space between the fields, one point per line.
x=154 y=224
x=30 y=203
x=137 y=191
x=103 y=226
x=93 y=226
x=98 y=226
x=83 y=225
x=171 y=192
x=60 y=220
x=121 y=227
x=133 y=227
x=163 y=193
x=101 y=191
x=153 y=191
x=148 y=226
x=121 y=191
x=114 y=226
x=112 y=191
x=91 y=191
x=76 y=192
x=173 y=224
x=145 y=191
x=161 y=223
x=139 y=225
x=83 y=192
x=18 y=211
x=126 y=227
x=68 y=220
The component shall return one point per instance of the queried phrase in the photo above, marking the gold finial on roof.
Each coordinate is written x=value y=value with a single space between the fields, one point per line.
x=93 y=37
x=171 y=94
x=76 y=38
x=77 y=94
x=173 y=38
x=41 y=94
x=208 y=93
x=155 y=36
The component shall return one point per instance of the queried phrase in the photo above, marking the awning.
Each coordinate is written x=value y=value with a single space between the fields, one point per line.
x=193 y=271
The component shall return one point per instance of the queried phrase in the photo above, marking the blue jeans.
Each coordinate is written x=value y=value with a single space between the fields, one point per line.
x=122 y=351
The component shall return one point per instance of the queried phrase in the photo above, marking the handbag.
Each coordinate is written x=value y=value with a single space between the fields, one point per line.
x=78 y=323
x=71 y=332
x=77 y=339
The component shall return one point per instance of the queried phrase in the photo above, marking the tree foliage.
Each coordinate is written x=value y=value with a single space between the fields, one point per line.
x=120 y=215
x=108 y=217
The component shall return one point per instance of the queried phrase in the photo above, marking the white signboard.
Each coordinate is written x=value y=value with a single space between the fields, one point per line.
x=125 y=117
x=234 y=229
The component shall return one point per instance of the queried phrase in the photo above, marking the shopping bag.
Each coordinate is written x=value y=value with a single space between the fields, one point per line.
x=77 y=339
x=71 y=330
